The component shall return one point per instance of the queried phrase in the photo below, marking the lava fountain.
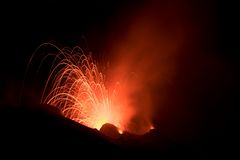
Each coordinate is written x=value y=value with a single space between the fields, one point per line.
x=81 y=92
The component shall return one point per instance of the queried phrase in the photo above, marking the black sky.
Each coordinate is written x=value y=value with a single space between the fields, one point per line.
x=25 y=25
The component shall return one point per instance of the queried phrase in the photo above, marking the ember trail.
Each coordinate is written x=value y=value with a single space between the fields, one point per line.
x=78 y=88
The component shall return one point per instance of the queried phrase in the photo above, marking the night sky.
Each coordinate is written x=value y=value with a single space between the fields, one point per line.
x=24 y=26
x=92 y=25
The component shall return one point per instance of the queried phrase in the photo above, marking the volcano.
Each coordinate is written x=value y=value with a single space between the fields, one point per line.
x=42 y=130
x=182 y=60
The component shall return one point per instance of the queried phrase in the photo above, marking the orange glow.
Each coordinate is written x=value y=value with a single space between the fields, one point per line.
x=101 y=120
x=120 y=131
x=78 y=89
x=151 y=127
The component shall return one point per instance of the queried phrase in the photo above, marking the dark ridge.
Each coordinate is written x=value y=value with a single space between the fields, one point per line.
x=41 y=130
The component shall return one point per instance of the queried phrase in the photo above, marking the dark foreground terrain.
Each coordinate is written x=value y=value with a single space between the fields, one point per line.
x=28 y=131
x=42 y=131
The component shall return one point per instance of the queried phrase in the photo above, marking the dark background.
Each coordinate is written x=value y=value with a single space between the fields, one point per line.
x=25 y=25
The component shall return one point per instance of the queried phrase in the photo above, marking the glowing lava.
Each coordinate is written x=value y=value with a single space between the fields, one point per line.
x=78 y=90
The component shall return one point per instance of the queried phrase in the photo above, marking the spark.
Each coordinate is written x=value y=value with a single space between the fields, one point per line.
x=78 y=90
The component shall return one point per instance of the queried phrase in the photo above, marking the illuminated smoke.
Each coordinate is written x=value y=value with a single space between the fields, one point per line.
x=154 y=41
